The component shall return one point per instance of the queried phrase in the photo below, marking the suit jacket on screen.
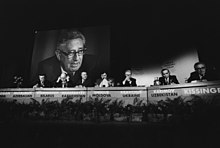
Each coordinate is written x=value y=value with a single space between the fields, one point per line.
x=86 y=83
x=47 y=84
x=68 y=84
x=51 y=67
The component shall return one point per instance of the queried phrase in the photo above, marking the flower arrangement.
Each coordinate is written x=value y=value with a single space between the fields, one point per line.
x=103 y=110
x=18 y=81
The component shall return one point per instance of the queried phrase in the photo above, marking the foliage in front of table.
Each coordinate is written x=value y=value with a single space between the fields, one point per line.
x=102 y=110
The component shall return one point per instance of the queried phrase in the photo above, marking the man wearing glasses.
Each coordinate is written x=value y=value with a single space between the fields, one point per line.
x=69 y=57
x=201 y=74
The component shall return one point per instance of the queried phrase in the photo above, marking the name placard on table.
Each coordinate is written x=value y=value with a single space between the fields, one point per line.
x=19 y=94
x=58 y=94
x=127 y=94
x=205 y=90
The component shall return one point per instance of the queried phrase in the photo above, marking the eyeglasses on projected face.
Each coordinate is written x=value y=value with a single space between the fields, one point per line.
x=73 y=53
x=197 y=68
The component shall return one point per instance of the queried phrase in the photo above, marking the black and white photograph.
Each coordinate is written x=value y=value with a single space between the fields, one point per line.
x=109 y=73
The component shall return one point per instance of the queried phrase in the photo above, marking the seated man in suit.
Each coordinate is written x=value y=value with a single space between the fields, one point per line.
x=129 y=80
x=201 y=74
x=84 y=81
x=166 y=78
x=103 y=81
x=42 y=82
x=64 y=81
x=70 y=58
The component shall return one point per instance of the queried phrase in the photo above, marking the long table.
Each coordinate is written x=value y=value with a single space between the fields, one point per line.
x=127 y=94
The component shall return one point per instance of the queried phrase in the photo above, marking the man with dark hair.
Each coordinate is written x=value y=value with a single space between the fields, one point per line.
x=70 y=58
x=201 y=74
x=85 y=81
x=103 y=81
x=166 y=78
x=42 y=82
x=129 y=80
x=111 y=82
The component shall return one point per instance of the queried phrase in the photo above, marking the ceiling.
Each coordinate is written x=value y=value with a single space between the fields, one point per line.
x=169 y=15
x=164 y=20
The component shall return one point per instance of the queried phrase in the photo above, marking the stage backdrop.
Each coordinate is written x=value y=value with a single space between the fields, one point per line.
x=179 y=62
x=97 y=43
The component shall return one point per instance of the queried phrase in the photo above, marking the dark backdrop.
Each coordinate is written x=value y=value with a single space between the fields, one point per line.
x=139 y=30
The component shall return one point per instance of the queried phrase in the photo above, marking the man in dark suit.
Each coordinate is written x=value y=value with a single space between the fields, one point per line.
x=69 y=58
x=43 y=82
x=129 y=80
x=103 y=81
x=166 y=78
x=201 y=74
x=85 y=81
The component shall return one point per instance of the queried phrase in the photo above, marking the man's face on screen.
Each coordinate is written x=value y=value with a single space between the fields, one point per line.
x=71 y=56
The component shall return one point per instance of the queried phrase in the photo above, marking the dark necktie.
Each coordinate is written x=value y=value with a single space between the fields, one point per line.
x=166 y=80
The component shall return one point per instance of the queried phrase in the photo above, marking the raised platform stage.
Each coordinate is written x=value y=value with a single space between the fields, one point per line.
x=128 y=94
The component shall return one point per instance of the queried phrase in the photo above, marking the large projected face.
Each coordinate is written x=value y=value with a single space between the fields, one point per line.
x=71 y=51
x=70 y=55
